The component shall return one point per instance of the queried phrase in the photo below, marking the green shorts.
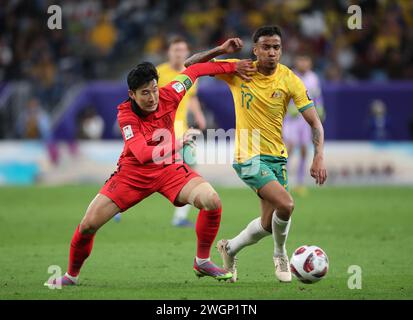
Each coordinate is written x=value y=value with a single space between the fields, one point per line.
x=259 y=170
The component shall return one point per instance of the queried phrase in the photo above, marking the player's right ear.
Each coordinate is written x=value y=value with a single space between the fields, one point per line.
x=131 y=94
x=254 y=50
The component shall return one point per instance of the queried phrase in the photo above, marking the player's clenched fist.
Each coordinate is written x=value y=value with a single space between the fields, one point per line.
x=245 y=69
x=231 y=45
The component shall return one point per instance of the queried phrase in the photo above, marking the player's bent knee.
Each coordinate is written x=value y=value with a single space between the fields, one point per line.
x=86 y=226
x=91 y=222
x=214 y=202
x=203 y=196
x=208 y=202
x=285 y=210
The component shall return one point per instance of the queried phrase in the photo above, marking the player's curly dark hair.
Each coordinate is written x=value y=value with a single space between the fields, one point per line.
x=143 y=73
x=266 y=31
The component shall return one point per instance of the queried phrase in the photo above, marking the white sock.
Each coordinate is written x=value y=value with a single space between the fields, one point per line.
x=200 y=261
x=280 y=230
x=253 y=233
x=181 y=213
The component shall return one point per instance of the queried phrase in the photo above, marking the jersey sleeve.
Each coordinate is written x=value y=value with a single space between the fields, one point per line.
x=135 y=140
x=177 y=88
x=129 y=127
x=299 y=93
x=228 y=78
x=180 y=85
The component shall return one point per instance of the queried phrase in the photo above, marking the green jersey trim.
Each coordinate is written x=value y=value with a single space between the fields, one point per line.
x=302 y=109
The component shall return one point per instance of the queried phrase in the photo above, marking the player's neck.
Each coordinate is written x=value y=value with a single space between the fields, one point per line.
x=177 y=67
x=139 y=111
x=266 y=71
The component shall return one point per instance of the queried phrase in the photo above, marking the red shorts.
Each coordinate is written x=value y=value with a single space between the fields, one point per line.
x=129 y=185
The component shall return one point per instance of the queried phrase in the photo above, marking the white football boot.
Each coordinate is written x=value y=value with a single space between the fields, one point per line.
x=230 y=262
x=282 y=268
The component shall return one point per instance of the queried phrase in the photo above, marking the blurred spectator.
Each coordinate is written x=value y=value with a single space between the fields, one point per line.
x=379 y=124
x=33 y=122
x=103 y=35
x=43 y=72
x=91 y=125
x=333 y=73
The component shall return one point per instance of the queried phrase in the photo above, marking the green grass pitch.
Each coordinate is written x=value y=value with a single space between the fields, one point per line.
x=143 y=257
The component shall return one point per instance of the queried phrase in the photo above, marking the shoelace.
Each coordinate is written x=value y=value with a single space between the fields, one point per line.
x=234 y=264
x=283 y=265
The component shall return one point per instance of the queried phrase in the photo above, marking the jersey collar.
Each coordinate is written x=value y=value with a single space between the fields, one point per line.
x=271 y=76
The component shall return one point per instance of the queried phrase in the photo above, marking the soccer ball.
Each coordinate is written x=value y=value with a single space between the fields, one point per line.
x=309 y=264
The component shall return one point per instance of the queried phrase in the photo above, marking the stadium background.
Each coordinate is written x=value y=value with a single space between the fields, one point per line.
x=59 y=139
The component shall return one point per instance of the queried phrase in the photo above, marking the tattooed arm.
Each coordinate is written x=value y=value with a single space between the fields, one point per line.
x=230 y=46
x=203 y=56
x=318 y=170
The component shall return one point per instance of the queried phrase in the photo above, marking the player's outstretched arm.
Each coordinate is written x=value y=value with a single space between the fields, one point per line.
x=178 y=87
x=230 y=46
x=240 y=67
x=318 y=170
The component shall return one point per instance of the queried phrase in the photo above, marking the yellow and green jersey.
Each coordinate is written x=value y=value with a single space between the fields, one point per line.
x=261 y=104
x=166 y=75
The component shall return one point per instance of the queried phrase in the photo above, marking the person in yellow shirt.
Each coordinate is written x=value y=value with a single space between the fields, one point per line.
x=104 y=35
x=178 y=51
x=261 y=100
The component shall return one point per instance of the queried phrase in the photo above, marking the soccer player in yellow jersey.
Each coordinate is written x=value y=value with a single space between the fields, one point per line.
x=178 y=51
x=261 y=101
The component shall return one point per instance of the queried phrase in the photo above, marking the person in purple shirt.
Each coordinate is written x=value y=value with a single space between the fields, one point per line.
x=296 y=132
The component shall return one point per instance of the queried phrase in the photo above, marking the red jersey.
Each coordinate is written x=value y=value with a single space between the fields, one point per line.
x=138 y=176
x=136 y=127
x=147 y=137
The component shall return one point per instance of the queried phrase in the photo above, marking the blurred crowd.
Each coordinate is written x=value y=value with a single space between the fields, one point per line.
x=101 y=39
x=381 y=50
x=94 y=36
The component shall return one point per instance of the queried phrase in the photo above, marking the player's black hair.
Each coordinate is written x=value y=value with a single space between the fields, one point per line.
x=266 y=31
x=143 y=73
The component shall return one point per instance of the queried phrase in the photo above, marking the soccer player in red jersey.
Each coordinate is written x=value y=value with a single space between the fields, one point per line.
x=150 y=162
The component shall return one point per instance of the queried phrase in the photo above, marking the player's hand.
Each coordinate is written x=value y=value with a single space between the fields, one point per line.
x=245 y=69
x=231 y=45
x=318 y=170
x=189 y=136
